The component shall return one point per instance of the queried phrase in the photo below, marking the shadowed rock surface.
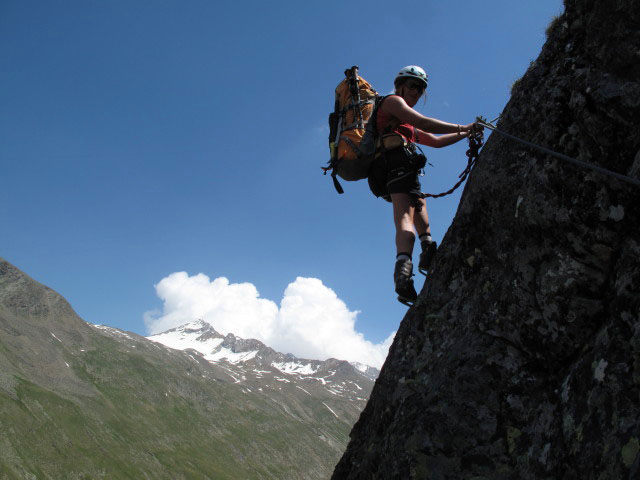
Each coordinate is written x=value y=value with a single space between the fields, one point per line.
x=521 y=359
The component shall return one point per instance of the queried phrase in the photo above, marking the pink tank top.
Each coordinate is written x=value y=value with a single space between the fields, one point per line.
x=404 y=129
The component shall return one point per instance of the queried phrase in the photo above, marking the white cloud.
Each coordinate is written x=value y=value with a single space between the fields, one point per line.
x=311 y=321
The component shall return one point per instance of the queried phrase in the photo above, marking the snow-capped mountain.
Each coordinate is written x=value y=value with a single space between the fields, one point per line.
x=251 y=362
x=210 y=406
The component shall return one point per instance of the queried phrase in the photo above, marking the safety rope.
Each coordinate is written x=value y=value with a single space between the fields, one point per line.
x=476 y=139
x=561 y=156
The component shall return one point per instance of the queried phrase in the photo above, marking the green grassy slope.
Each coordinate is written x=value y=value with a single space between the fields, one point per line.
x=78 y=403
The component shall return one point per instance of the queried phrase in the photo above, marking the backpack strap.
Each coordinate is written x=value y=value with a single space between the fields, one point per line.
x=374 y=119
x=333 y=163
x=393 y=123
x=358 y=122
x=351 y=145
x=388 y=130
x=336 y=183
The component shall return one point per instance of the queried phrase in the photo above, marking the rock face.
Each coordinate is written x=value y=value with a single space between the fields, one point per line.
x=521 y=358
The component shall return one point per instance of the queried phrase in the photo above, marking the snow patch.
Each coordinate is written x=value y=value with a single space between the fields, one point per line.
x=291 y=368
x=330 y=409
x=183 y=341
x=360 y=366
x=298 y=386
x=319 y=379
x=231 y=374
x=113 y=331
x=229 y=356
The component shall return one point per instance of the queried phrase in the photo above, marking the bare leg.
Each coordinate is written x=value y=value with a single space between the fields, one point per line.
x=403 y=211
x=403 y=218
x=421 y=220
x=428 y=248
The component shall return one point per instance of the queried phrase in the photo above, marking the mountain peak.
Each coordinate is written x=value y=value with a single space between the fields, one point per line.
x=67 y=385
x=203 y=338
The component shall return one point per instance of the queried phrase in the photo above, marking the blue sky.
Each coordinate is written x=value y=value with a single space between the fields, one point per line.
x=143 y=138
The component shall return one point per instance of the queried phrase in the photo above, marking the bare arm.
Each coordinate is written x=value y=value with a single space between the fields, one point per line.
x=425 y=138
x=396 y=106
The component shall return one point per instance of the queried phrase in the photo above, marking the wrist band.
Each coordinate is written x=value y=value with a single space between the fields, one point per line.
x=458 y=129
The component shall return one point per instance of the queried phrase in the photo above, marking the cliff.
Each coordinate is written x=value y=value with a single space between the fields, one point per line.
x=521 y=358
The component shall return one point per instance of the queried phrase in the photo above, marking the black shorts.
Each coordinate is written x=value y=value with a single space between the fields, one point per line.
x=395 y=172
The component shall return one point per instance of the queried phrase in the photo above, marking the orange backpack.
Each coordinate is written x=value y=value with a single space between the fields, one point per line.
x=351 y=135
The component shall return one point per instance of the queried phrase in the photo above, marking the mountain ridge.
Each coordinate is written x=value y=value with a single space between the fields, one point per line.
x=79 y=400
x=251 y=362
x=202 y=337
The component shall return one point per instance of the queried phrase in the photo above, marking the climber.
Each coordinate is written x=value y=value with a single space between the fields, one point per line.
x=394 y=174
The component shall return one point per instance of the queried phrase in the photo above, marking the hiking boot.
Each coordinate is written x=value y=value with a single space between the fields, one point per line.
x=428 y=252
x=404 y=284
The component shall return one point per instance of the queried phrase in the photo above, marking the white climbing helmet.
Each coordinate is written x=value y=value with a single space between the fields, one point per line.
x=414 y=72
